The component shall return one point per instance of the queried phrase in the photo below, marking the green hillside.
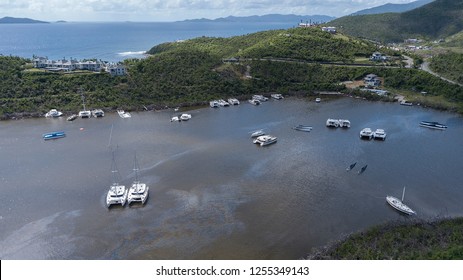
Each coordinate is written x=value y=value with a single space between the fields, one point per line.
x=439 y=19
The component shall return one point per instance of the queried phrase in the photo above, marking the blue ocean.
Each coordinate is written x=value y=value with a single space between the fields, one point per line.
x=113 y=41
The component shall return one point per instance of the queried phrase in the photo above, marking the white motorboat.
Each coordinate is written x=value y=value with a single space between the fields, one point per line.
x=332 y=123
x=138 y=192
x=405 y=103
x=399 y=205
x=185 y=117
x=318 y=99
x=124 y=114
x=254 y=101
x=175 y=119
x=277 y=96
x=72 y=117
x=233 y=101
x=344 y=123
x=97 y=113
x=265 y=140
x=117 y=193
x=257 y=133
x=433 y=125
x=214 y=104
x=53 y=113
x=301 y=127
x=223 y=103
x=259 y=97
x=379 y=134
x=366 y=133
x=85 y=114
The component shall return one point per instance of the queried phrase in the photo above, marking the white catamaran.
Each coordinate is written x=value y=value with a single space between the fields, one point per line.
x=138 y=192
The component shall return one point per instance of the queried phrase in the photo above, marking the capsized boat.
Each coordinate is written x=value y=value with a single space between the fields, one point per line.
x=399 y=205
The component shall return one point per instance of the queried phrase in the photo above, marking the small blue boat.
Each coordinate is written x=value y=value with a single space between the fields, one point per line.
x=54 y=135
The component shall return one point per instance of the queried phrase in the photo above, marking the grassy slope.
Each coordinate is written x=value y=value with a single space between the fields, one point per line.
x=416 y=241
x=438 y=19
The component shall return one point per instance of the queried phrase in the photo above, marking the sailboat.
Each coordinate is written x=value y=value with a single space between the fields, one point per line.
x=117 y=193
x=84 y=113
x=399 y=205
x=138 y=192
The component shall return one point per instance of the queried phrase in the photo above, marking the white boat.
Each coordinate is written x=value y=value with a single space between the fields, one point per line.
x=379 y=134
x=185 y=117
x=277 y=96
x=97 y=113
x=214 y=103
x=124 y=114
x=85 y=114
x=332 y=123
x=233 y=101
x=301 y=127
x=53 y=113
x=399 y=205
x=344 y=123
x=405 y=103
x=318 y=99
x=138 y=192
x=259 y=97
x=223 y=103
x=366 y=133
x=265 y=140
x=72 y=117
x=175 y=119
x=433 y=125
x=254 y=101
x=257 y=133
x=117 y=194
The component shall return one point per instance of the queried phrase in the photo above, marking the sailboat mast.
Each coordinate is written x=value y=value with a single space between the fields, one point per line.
x=403 y=194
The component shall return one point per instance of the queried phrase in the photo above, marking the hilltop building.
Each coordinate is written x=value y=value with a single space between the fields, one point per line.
x=371 y=80
x=329 y=29
x=67 y=65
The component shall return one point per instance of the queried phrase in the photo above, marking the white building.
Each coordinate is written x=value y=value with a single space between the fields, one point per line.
x=73 y=64
x=329 y=29
x=116 y=69
x=371 y=80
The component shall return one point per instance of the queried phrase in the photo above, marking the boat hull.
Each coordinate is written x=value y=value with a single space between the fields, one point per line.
x=399 y=206
x=53 y=135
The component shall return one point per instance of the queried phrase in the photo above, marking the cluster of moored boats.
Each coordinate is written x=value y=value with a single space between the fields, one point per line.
x=182 y=117
x=262 y=139
x=369 y=134
x=119 y=194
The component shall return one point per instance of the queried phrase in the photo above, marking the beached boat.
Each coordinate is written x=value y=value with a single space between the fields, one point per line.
x=433 y=125
x=399 y=205
x=138 y=192
x=72 y=117
x=53 y=135
x=259 y=97
x=405 y=103
x=254 y=101
x=223 y=103
x=117 y=194
x=366 y=133
x=233 y=101
x=277 y=96
x=97 y=113
x=53 y=113
x=379 y=134
x=214 y=104
x=265 y=140
x=124 y=114
x=301 y=127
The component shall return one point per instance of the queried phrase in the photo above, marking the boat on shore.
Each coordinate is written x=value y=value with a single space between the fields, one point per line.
x=138 y=192
x=97 y=113
x=214 y=104
x=301 y=127
x=85 y=114
x=406 y=103
x=259 y=97
x=233 y=101
x=399 y=205
x=433 y=125
x=53 y=135
x=265 y=140
x=124 y=114
x=72 y=117
x=254 y=101
x=277 y=96
x=223 y=103
x=53 y=113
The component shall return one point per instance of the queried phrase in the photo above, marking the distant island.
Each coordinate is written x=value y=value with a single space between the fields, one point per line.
x=268 y=18
x=8 y=20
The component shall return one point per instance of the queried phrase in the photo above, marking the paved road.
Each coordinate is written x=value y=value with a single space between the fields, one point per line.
x=425 y=67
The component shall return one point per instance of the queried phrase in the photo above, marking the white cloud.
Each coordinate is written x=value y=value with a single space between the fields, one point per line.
x=165 y=10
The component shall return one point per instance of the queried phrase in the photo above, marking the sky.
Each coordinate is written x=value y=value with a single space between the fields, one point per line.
x=174 y=10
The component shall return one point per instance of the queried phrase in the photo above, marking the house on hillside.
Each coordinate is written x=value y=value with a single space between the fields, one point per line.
x=116 y=69
x=371 y=80
x=329 y=29
x=377 y=56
